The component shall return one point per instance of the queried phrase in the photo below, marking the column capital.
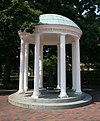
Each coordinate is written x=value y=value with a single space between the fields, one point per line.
x=62 y=34
x=37 y=33
x=76 y=38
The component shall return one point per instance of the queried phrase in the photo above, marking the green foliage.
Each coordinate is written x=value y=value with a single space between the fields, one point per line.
x=89 y=22
x=50 y=59
x=50 y=64
x=90 y=51
x=18 y=14
x=24 y=14
x=14 y=15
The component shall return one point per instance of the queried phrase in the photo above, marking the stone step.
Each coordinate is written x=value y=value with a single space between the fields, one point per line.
x=46 y=97
x=60 y=103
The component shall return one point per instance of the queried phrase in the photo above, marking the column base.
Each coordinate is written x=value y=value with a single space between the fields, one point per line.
x=41 y=87
x=78 y=92
x=36 y=95
x=63 y=95
x=26 y=89
x=58 y=87
x=73 y=89
x=21 y=92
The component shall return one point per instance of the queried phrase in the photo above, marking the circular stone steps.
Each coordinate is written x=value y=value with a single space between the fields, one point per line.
x=49 y=99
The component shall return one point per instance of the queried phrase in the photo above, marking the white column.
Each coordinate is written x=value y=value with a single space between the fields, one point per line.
x=58 y=67
x=73 y=67
x=36 y=66
x=77 y=63
x=21 y=75
x=26 y=67
x=41 y=67
x=63 y=66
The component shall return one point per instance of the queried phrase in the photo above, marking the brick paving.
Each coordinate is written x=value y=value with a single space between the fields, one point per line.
x=9 y=112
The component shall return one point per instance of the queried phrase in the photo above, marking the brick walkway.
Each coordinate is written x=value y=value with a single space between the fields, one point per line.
x=9 y=112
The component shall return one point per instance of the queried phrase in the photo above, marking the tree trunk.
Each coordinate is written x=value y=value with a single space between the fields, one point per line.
x=7 y=70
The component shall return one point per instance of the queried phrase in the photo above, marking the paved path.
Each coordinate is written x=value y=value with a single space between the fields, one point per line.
x=9 y=112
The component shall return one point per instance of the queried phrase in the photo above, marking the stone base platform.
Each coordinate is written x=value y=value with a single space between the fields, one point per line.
x=49 y=99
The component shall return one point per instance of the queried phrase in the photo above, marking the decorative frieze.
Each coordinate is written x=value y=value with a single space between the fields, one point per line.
x=58 y=29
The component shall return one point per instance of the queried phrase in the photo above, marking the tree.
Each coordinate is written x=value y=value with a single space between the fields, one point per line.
x=23 y=14
x=85 y=13
x=14 y=15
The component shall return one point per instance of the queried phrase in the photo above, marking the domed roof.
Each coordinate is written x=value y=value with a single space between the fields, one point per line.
x=56 y=19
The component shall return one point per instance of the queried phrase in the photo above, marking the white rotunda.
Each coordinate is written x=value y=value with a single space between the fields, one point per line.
x=58 y=30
